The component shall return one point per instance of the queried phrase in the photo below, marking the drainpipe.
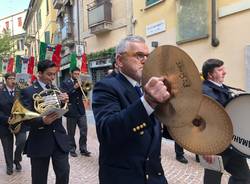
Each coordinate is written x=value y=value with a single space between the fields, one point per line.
x=78 y=22
x=214 y=42
x=130 y=25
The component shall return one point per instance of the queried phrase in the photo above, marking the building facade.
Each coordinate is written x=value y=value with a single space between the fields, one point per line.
x=14 y=23
x=68 y=17
x=40 y=24
x=204 y=29
x=105 y=22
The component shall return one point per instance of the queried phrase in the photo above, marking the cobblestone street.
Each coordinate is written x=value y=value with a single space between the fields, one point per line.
x=84 y=170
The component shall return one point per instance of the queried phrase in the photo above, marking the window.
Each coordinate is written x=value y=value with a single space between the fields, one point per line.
x=47 y=6
x=20 y=45
x=192 y=21
x=7 y=25
x=47 y=37
x=19 y=21
x=149 y=2
x=17 y=45
x=39 y=19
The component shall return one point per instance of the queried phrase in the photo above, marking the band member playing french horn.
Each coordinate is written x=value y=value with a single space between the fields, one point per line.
x=7 y=96
x=213 y=71
x=47 y=138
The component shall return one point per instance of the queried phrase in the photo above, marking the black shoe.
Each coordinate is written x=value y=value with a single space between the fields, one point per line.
x=85 y=153
x=197 y=159
x=73 y=154
x=18 y=166
x=182 y=160
x=9 y=171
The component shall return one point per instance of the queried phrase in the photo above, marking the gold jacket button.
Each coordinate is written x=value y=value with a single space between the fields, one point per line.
x=144 y=124
x=147 y=176
x=54 y=131
x=134 y=129
x=137 y=128
x=141 y=126
x=159 y=174
x=142 y=132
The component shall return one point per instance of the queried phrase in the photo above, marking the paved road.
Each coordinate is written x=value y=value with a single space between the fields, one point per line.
x=84 y=170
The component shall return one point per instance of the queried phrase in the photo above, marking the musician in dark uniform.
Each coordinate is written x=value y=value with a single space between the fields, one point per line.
x=7 y=96
x=76 y=114
x=129 y=134
x=213 y=72
x=47 y=138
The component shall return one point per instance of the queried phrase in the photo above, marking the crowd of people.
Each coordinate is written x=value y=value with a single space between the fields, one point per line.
x=124 y=115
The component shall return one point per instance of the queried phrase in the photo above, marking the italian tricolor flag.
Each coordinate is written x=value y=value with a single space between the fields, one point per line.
x=25 y=64
x=6 y=65
x=51 y=53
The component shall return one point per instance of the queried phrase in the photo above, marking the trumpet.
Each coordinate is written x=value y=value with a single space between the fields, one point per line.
x=43 y=102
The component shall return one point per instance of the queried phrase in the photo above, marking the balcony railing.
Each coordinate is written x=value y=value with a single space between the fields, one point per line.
x=57 y=4
x=100 y=16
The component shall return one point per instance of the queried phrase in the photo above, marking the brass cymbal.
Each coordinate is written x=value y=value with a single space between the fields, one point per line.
x=182 y=80
x=209 y=134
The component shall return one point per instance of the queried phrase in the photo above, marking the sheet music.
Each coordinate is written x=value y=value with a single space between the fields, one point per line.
x=60 y=112
x=217 y=165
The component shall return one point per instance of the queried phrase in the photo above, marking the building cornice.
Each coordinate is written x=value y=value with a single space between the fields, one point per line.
x=13 y=15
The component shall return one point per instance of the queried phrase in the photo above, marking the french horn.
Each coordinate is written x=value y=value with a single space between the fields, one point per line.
x=47 y=99
x=43 y=103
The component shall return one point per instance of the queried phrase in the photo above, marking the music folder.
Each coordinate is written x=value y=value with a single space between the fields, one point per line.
x=60 y=112
x=217 y=165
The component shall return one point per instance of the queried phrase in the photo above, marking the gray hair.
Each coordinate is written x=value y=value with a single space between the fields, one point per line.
x=123 y=44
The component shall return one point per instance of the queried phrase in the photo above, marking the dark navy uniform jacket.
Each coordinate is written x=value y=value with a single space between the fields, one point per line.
x=220 y=94
x=76 y=107
x=6 y=103
x=42 y=138
x=130 y=140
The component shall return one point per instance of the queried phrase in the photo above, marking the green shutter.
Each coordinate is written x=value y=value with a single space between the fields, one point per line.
x=149 y=2
x=47 y=37
x=1 y=64
x=73 y=61
x=43 y=49
x=18 y=64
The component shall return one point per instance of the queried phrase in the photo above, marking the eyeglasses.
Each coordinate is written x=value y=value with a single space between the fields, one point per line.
x=11 y=78
x=138 y=55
